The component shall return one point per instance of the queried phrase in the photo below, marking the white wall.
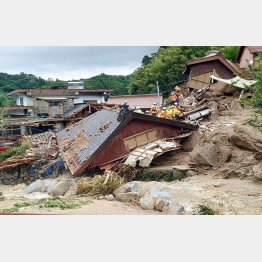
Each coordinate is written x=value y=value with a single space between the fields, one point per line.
x=81 y=98
x=27 y=101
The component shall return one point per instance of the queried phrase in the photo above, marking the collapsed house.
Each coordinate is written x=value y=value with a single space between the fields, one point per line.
x=102 y=139
x=198 y=72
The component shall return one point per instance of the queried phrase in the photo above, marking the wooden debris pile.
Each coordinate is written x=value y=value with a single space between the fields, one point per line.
x=99 y=185
x=16 y=161
x=144 y=155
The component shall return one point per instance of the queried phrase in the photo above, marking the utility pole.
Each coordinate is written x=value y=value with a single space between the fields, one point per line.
x=157 y=86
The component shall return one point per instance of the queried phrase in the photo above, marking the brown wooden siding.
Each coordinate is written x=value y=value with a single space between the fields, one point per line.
x=219 y=67
x=116 y=147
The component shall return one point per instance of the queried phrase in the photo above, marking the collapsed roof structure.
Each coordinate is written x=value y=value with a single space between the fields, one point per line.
x=101 y=139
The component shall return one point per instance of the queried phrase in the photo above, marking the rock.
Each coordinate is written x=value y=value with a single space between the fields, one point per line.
x=101 y=197
x=165 y=209
x=126 y=197
x=257 y=171
x=225 y=153
x=211 y=94
x=247 y=137
x=236 y=106
x=159 y=192
x=183 y=168
x=205 y=154
x=191 y=173
x=110 y=197
x=37 y=186
x=176 y=209
x=214 y=107
x=58 y=189
x=191 y=141
x=160 y=203
x=229 y=89
x=147 y=202
x=129 y=187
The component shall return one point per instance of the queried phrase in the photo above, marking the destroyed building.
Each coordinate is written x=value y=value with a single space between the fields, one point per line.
x=100 y=139
x=198 y=72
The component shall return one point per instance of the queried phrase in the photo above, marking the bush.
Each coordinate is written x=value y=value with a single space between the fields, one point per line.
x=15 y=151
x=159 y=175
x=206 y=210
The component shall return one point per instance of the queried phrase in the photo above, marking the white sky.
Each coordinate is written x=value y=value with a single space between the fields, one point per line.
x=72 y=62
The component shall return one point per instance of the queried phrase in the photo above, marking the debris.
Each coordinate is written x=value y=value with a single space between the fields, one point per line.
x=176 y=209
x=97 y=185
x=145 y=154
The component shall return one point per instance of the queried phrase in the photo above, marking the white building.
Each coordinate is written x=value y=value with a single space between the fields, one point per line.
x=37 y=97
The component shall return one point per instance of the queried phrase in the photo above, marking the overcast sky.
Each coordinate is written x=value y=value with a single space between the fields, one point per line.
x=72 y=62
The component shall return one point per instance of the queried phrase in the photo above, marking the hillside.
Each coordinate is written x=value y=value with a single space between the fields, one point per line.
x=9 y=82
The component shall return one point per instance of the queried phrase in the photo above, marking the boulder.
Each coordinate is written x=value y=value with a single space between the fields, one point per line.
x=247 y=137
x=205 y=154
x=191 y=141
x=191 y=173
x=159 y=192
x=257 y=171
x=147 y=202
x=160 y=203
x=110 y=197
x=129 y=187
x=126 y=197
x=59 y=188
x=37 y=186
x=236 y=106
x=225 y=153
x=175 y=209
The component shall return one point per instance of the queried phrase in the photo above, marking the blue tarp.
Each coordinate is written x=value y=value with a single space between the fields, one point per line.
x=50 y=170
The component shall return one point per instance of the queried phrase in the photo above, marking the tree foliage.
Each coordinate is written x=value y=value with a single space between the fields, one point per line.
x=119 y=84
x=256 y=99
x=230 y=52
x=166 y=67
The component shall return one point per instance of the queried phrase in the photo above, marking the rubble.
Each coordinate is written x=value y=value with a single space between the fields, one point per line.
x=144 y=155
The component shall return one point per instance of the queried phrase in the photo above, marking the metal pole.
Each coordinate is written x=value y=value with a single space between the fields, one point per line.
x=157 y=86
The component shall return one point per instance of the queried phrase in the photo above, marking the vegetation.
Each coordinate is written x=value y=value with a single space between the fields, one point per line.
x=18 y=150
x=119 y=84
x=61 y=204
x=206 y=210
x=230 y=52
x=6 y=100
x=16 y=207
x=165 y=175
x=256 y=99
x=166 y=67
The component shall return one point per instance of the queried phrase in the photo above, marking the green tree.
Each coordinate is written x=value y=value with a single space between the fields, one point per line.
x=166 y=67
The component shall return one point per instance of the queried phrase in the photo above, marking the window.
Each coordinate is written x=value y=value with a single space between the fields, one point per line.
x=21 y=101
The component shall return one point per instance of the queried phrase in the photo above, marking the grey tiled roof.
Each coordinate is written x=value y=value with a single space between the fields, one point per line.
x=95 y=129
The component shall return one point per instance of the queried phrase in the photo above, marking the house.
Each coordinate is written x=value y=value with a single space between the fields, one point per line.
x=101 y=139
x=247 y=55
x=144 y=101
x=198 y=72
x=41 y=99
